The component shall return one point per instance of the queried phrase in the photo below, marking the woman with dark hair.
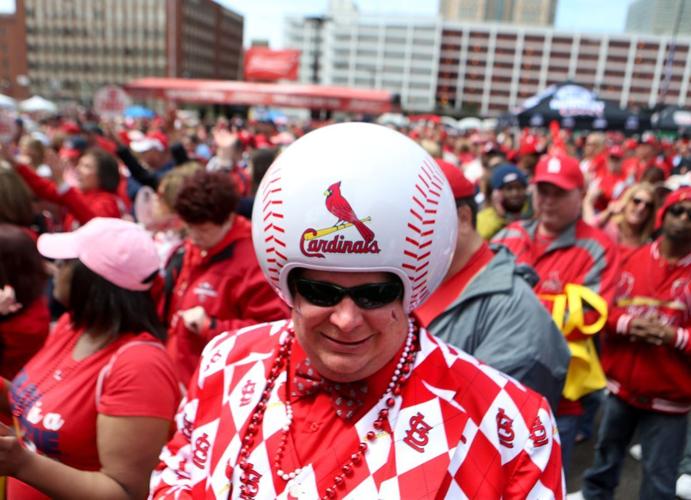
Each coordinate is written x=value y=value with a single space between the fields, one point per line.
x=15 y=199
x=24 y=316
x=92 y=409
x=214 y=283
x=98 y=177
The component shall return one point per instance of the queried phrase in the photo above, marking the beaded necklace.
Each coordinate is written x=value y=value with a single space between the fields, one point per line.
x=386 y=401
x=53 y=376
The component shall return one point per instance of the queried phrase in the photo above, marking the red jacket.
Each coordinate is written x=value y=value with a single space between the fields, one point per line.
x=81 y=206
x=229 y=284
x=22 y=335
x=646 y=375
x=581 y=255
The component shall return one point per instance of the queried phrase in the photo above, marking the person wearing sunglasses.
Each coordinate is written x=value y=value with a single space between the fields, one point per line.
x=630 y=220
x=352 y=397
x=646 y=354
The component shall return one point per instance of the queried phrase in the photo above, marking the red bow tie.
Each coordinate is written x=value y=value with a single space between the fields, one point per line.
x=346 y=398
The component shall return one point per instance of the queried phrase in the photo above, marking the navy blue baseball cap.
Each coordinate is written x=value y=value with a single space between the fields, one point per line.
x=505 y=173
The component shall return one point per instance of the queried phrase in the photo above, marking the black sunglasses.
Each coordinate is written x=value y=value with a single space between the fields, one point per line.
x=638 y=201
x=368 y=296
x=677 y=210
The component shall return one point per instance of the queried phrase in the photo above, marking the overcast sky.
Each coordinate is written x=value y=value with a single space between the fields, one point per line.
x=264 y=18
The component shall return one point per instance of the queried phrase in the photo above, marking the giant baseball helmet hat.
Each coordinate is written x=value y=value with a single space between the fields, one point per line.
x=356 y=197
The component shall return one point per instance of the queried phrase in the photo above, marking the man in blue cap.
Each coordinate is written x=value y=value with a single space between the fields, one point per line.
x=508 y=200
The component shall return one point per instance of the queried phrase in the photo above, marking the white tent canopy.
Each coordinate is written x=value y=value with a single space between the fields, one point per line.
x=6 y=102
x=38 y=104
x=470 y=123
x=395 y=119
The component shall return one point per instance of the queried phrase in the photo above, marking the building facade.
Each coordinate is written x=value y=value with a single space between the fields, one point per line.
x=660 y=17
x=487 y=68
x=13 y=63
x=527 y=12
x=76 y=46
x=398 y=55
x=492 y=69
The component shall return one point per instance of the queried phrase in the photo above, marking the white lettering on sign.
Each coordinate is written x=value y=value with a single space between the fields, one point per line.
x=110 y=101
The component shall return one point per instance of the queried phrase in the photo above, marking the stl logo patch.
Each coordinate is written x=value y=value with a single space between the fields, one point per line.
x=313 y=242
x=554 y=166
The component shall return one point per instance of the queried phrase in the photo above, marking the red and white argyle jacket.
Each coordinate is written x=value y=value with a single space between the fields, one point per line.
x=460 y=429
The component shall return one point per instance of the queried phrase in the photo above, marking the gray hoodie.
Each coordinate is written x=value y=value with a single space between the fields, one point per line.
x=499 y=320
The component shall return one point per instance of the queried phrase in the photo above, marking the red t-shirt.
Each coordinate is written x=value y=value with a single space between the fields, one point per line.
x=62 y=397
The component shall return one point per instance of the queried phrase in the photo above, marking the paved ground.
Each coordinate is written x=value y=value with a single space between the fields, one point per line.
x=583 y=457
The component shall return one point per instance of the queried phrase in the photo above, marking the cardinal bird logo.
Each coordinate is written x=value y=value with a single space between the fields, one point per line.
x=312 y=242
x=339 y=206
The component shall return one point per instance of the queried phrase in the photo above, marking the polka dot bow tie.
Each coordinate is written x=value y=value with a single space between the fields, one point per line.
x=346 y=398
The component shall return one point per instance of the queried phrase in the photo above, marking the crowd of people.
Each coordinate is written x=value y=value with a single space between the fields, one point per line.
x=238 y=309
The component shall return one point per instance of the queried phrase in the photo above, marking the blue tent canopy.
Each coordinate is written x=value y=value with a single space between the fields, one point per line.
x=138 y=111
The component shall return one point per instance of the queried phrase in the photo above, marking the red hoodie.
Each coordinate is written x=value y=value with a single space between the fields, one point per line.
x=81 y=206
x=229 y=284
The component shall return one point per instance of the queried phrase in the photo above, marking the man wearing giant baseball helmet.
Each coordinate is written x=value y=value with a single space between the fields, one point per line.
x=354 y=226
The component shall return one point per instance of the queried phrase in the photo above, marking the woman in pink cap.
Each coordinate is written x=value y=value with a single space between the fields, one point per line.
x=93 y=408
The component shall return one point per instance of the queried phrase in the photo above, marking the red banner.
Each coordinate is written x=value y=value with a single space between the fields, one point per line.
x=264 y=64
x=290 y=95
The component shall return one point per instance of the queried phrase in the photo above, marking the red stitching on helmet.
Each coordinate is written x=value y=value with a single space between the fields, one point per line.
x=426 y=196
x=423 y=181
x=273 y=214
x=271 y=200
x=417 y=216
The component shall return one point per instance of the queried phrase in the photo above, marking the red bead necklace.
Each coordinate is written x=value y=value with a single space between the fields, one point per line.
x=387 y=401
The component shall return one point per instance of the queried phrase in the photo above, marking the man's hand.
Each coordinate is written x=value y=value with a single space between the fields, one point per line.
x=57 y=166
x=651 y=331
x=195 y=319
x=8 y=301
x=13 y=455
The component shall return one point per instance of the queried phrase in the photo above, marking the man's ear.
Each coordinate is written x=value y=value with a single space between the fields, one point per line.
x=464 y=215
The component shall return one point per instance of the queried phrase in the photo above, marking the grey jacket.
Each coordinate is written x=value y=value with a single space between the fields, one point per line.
x=499 y=320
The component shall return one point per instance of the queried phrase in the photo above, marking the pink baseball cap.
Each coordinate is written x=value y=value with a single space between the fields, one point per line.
x=119 y=251
x=560 y=170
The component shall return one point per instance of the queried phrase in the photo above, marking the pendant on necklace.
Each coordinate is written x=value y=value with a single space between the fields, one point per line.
x=297 y=490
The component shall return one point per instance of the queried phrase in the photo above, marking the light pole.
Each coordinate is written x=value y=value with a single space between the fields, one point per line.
x=664 y=89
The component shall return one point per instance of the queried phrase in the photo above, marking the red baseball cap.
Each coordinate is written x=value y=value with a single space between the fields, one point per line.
x=616 y=151
x=673 y=198
x=561 y=170
x=528 y=145
x=71 y=128
x=460 y=186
